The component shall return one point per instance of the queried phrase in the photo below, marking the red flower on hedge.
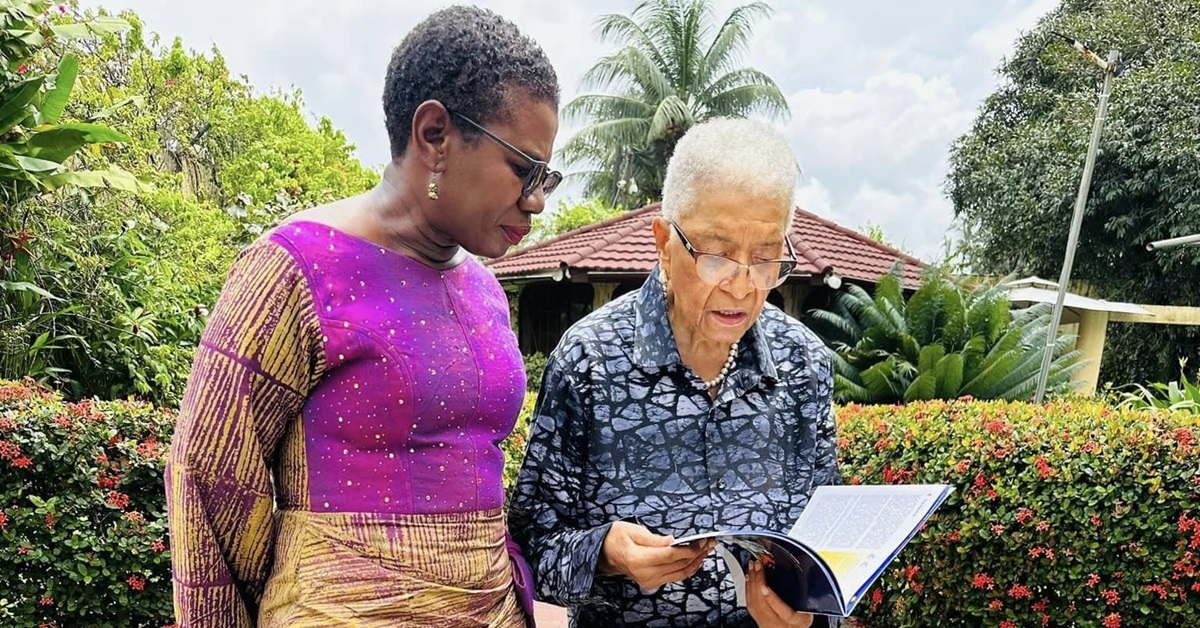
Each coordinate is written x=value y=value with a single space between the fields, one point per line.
x=983 y=581
x=995 y=605
x=159 y=546
x=1043 y=467
x=46 y=601
x=3 y=520
x=22 y=550
x=7 y=424
x=1158 y=589
x=1093 y=580
x=1040 y=605
x=149 y=448
x=1008 y=623
x=22 y=463
x=1019 y=592
x=135 y=517
x=997 y=426
x=136 y=582
x=9 y=450
x=118 y=499
x=1112 y=620
x=1184 y=437
x=997 y=529
x=1111 y=597
x=1024 y=514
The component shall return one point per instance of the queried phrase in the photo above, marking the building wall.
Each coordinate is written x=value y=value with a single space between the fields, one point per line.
x=546 y=309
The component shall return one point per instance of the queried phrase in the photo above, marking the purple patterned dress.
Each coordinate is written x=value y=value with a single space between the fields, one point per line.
x=337 y=457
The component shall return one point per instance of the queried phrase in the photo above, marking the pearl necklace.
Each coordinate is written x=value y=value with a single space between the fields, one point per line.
x=712 y=383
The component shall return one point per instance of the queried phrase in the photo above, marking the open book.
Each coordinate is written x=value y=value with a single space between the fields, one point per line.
x=841 y=544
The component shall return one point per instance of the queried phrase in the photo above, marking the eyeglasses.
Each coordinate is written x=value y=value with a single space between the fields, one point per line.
x=539 y=175
x=716 y=269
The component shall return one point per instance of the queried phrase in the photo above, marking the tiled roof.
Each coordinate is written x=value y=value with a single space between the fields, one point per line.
x=624 y=246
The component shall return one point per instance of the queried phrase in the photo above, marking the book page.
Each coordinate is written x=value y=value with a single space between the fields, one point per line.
x=858 y=529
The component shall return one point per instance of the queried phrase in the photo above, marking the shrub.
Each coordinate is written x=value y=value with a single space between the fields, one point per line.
x=1072 y=513
x=535 y=365
x=947 y=340
x=83 y=528
x=514 y=446
x=1180 y=395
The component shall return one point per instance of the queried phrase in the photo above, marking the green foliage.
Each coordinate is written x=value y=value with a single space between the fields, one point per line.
x=1014 y=176
x=1180 y=395
x=570 y=217
x=33 y=144
x=106 y=294
x=675 y=67
x=514 y=446
x=1071 y=512
x=945 y=341
x=535 y=367
x=83 y=526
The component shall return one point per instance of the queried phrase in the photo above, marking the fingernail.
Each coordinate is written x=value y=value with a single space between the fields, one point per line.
x=764 y=590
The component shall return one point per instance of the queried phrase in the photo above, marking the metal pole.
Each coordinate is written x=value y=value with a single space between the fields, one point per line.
x=1076 y=222
x=1192 y=240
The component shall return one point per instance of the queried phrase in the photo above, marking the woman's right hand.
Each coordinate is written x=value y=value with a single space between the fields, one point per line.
x=648 y=558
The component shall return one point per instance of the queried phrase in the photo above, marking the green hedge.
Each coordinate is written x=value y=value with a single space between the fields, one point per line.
x=83 y=529
x=1069 y=514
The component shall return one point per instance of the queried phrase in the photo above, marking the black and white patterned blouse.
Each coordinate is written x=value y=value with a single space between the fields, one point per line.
x=623 y=429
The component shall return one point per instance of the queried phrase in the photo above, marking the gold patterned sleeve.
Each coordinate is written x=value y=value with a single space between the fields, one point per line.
x=258 y=357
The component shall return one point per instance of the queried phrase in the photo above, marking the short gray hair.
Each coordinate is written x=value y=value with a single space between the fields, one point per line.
x=746 y=154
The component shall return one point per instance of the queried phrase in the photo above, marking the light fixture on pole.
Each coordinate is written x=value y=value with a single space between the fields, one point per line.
x=1110 y=71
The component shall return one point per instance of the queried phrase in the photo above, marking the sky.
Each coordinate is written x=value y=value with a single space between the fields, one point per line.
x=878 y=89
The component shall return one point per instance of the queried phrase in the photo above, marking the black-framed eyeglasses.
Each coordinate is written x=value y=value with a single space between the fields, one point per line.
x=716 y=269
x=539 y=175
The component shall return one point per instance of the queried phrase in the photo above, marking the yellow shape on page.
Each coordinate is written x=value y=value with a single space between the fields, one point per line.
x=842 y=562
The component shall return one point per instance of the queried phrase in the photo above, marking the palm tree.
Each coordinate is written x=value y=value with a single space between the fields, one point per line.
x=673 y=70
x=947 y=340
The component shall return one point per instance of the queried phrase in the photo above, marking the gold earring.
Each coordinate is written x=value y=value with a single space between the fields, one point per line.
x=433 y=189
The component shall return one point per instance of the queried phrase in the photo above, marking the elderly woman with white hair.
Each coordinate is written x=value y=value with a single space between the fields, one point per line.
x=687 y=406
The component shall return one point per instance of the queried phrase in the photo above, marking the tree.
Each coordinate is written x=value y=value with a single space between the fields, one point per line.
x=570 y=217
x=673 y=69
x=38 y=72
x=1014 y=175
x=120 y=284
x=945 y=341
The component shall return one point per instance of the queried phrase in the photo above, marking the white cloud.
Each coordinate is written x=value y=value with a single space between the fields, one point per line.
x=996 y=39
x=914 y=218
x=889 y=119
x=813 y=196
x=878 y=90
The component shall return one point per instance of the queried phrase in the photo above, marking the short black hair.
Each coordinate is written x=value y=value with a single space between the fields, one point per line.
x=467 y=58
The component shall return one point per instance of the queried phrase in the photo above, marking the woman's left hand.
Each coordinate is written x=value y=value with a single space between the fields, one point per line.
x=766 y=608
